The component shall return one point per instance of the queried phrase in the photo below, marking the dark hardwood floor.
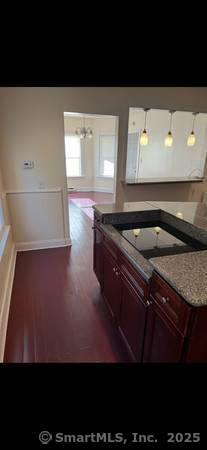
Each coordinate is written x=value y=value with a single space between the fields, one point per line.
x=57 y=313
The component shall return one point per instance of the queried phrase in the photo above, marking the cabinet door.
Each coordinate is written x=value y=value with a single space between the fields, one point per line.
x=111 y=284
x=163 y=343
x=132 y=320
x=98 y=254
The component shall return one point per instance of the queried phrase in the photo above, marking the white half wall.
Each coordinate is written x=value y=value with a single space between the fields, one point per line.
x=37 y=218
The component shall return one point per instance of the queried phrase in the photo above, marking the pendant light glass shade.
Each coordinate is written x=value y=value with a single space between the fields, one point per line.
x=136 y=232
x=191 y=138
x=144 y=136
x=157 y=230
x=169 y=140
x=169 y=137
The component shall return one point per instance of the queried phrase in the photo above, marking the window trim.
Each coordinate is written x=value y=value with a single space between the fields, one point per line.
x=98 y=174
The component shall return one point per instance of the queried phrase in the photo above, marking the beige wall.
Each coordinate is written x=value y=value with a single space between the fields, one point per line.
x=32 y=127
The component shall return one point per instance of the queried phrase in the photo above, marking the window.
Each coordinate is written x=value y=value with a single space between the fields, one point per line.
x=73 y=156
x=106 y=156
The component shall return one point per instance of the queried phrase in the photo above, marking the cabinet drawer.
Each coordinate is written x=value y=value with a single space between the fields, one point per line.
x=170 y=303
x=133 y=276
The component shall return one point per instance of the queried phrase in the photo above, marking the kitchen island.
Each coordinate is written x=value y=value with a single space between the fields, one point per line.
x=158 y=304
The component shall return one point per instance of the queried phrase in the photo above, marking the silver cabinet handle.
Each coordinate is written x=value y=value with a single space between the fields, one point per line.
x=165 y=300
x=148 y=302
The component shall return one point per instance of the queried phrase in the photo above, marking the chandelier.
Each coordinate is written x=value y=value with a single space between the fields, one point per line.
x=84 y=132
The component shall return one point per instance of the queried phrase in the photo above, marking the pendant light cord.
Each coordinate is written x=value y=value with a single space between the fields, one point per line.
x=145 y=119
x=170 y=121
x=195 y=114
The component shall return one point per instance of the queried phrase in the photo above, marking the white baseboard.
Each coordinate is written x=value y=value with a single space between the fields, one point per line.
x=6 y=298
x=92 y=189
x=107 y=190
x=38 y=245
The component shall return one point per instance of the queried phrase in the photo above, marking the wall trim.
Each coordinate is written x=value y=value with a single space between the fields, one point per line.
x=38 y=245
x=33 y=191
x=109 y=190
x=92 y=189
x=6 y=299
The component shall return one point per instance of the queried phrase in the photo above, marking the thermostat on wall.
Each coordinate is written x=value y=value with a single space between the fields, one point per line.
x=28 y=164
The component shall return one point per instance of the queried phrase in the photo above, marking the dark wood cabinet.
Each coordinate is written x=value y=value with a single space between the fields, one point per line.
x=132 y=320
x=163 y=342
x=111 y=284
x=156 y=324
x=98 y=254
x=167 y=324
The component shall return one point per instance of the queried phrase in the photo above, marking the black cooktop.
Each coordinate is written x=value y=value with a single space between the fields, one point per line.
x=157 y=239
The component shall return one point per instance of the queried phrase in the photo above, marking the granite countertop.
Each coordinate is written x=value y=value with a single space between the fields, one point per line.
x=124 y=207
x=135 y=257
x=186 y=273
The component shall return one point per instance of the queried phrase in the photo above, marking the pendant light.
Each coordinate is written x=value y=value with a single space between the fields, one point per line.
x=144 y=135
x=157 y=230
x=169 y=137
x=136 y=232
x=191 y=138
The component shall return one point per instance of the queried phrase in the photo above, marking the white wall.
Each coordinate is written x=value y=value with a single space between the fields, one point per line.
x=90 y=148
x=156 y=160
x=32 y=126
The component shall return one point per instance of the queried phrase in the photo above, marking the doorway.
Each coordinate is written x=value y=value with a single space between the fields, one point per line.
x=91 y=162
